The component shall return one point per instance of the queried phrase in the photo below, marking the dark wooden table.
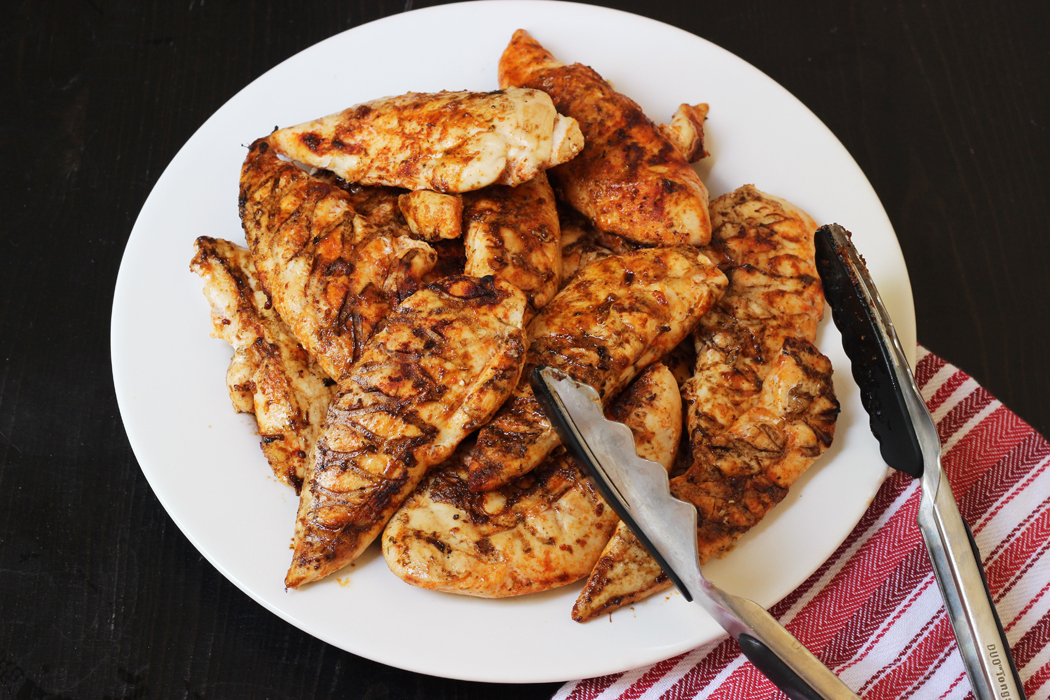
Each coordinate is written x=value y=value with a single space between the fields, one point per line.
x=943 y=104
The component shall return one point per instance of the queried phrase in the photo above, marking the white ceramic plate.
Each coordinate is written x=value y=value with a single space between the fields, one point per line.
x=204 y=462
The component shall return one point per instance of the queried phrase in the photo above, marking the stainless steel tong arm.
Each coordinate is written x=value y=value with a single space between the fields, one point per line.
x=639 y=491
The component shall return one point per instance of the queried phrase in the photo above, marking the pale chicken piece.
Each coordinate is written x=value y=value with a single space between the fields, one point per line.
x=630 y=179
x=735 y=479
x=686 y=131
x=270 y=374
x=513 y=233
x=442 y=363
x=543 y=530
x=331 y=274
x=618 y=315
x=432 y=216
x=445 y=141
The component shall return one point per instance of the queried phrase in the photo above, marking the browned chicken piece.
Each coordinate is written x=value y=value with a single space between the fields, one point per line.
x=446 y=141
x=513 y=233
x=442 y=363
x=331 y=274
x=432 y=216
x=619 y=315
x=541 y=531
x=686 y=131
x=629 y=179
x=735 y=479
x=270 y=374
x=451 y=259
x=582 y=243
x=765 y=246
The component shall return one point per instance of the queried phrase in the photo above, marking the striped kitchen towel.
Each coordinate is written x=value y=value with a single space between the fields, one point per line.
x=872 y=612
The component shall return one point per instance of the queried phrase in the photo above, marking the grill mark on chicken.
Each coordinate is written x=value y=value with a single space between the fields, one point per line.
x=514 y=234
x=443 y=362
x=330 y=273
x=540 y=531
x=270 y=374
x=602 y=331
x=630 y=179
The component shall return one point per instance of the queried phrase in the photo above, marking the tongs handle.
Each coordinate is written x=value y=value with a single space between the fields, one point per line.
x=909 y=442
x=957 y=567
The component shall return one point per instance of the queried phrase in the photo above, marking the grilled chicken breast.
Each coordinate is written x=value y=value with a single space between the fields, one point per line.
x=541 y=531
x=445 y=141
x=735 y=479
x=443 y=362
x=765 y=246
x=331 y=274
x=630 y=179
x=513 y=233
x=270 y=375
x=616 y=317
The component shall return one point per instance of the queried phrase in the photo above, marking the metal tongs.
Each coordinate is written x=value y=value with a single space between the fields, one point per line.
x=908 y=442
x=639 y=491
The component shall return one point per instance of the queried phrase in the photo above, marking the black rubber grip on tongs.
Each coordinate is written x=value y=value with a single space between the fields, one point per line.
x=774 y=668
x=870 y=356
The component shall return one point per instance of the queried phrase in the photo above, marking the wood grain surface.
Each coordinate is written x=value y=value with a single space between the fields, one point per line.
x=943 y=104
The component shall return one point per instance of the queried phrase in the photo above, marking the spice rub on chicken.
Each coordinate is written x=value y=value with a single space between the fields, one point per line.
x=444 y=141
x=543 y=530
x=331 y=275
x=630 y=178
x=514 y=234
x=770 y=310
x=270 y=375
x=618 y=315
x=765 y=246
x=444 y=360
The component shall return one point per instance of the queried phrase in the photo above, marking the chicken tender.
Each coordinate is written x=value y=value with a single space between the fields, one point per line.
x=432 y=216
x=439 y=368
x=447 y=141
x=513 y=233
x=630 y=179
x=765 y=246
x=332 y=275
x=736 y=478
x=270 y=375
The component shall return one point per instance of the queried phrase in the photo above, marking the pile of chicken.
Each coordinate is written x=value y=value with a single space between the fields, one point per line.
x=411 y=259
